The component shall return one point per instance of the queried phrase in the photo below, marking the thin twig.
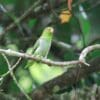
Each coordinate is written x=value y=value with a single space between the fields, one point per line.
x=63 y=45
x=24 y=15
x=13 y=76
x=12 y=68
x=27 y=12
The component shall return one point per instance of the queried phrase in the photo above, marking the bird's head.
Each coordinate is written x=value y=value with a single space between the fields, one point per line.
x=48 y=29
x=48 y=32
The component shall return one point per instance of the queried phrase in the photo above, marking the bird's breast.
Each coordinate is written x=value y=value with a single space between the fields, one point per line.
x=43 y=48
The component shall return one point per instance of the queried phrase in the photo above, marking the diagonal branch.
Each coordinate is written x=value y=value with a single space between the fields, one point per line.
x=11 y=69
x=24 y=15
x=13 y=76
x=27 y=12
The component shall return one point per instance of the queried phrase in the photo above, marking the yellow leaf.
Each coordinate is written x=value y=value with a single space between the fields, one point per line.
x=65 y=16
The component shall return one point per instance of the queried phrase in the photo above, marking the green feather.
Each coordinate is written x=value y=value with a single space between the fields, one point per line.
x=42 y=46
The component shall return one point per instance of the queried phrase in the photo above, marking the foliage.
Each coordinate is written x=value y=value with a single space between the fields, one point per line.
x=80 y=30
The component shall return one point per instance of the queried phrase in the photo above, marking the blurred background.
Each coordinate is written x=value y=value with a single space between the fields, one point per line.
x=77 y=29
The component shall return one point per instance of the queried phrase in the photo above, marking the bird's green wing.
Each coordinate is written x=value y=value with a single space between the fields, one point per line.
x=35 y=45
x=30 y=62
x=32 y=49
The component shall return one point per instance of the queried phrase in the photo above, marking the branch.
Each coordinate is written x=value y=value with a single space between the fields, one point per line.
x=8 y=72
x=37 y=4
x=66 y=79
x=24 y=15
x=53 y=63
x=63 y=45
x=13 y=76
x=86 y=51
x=46 y=61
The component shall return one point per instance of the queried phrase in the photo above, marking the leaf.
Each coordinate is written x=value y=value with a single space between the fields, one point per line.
x=3 y=65
x=32 y=23
x=65 y=16
x=85 y=25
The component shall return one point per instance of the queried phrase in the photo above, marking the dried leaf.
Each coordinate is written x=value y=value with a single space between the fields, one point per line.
x=65 y=16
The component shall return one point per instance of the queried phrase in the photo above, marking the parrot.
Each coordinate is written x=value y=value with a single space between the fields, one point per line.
x=40 y=72
x=42 y=46
x=40 y=49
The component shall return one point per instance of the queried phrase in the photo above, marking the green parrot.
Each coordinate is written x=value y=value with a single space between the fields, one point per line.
x=41 y=72
x=42 y=45
x=40 y=49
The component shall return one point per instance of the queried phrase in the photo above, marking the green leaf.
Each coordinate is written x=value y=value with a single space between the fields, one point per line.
x=85 y=26
x=32 y=22
x=8 y=1
x=3 y=65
